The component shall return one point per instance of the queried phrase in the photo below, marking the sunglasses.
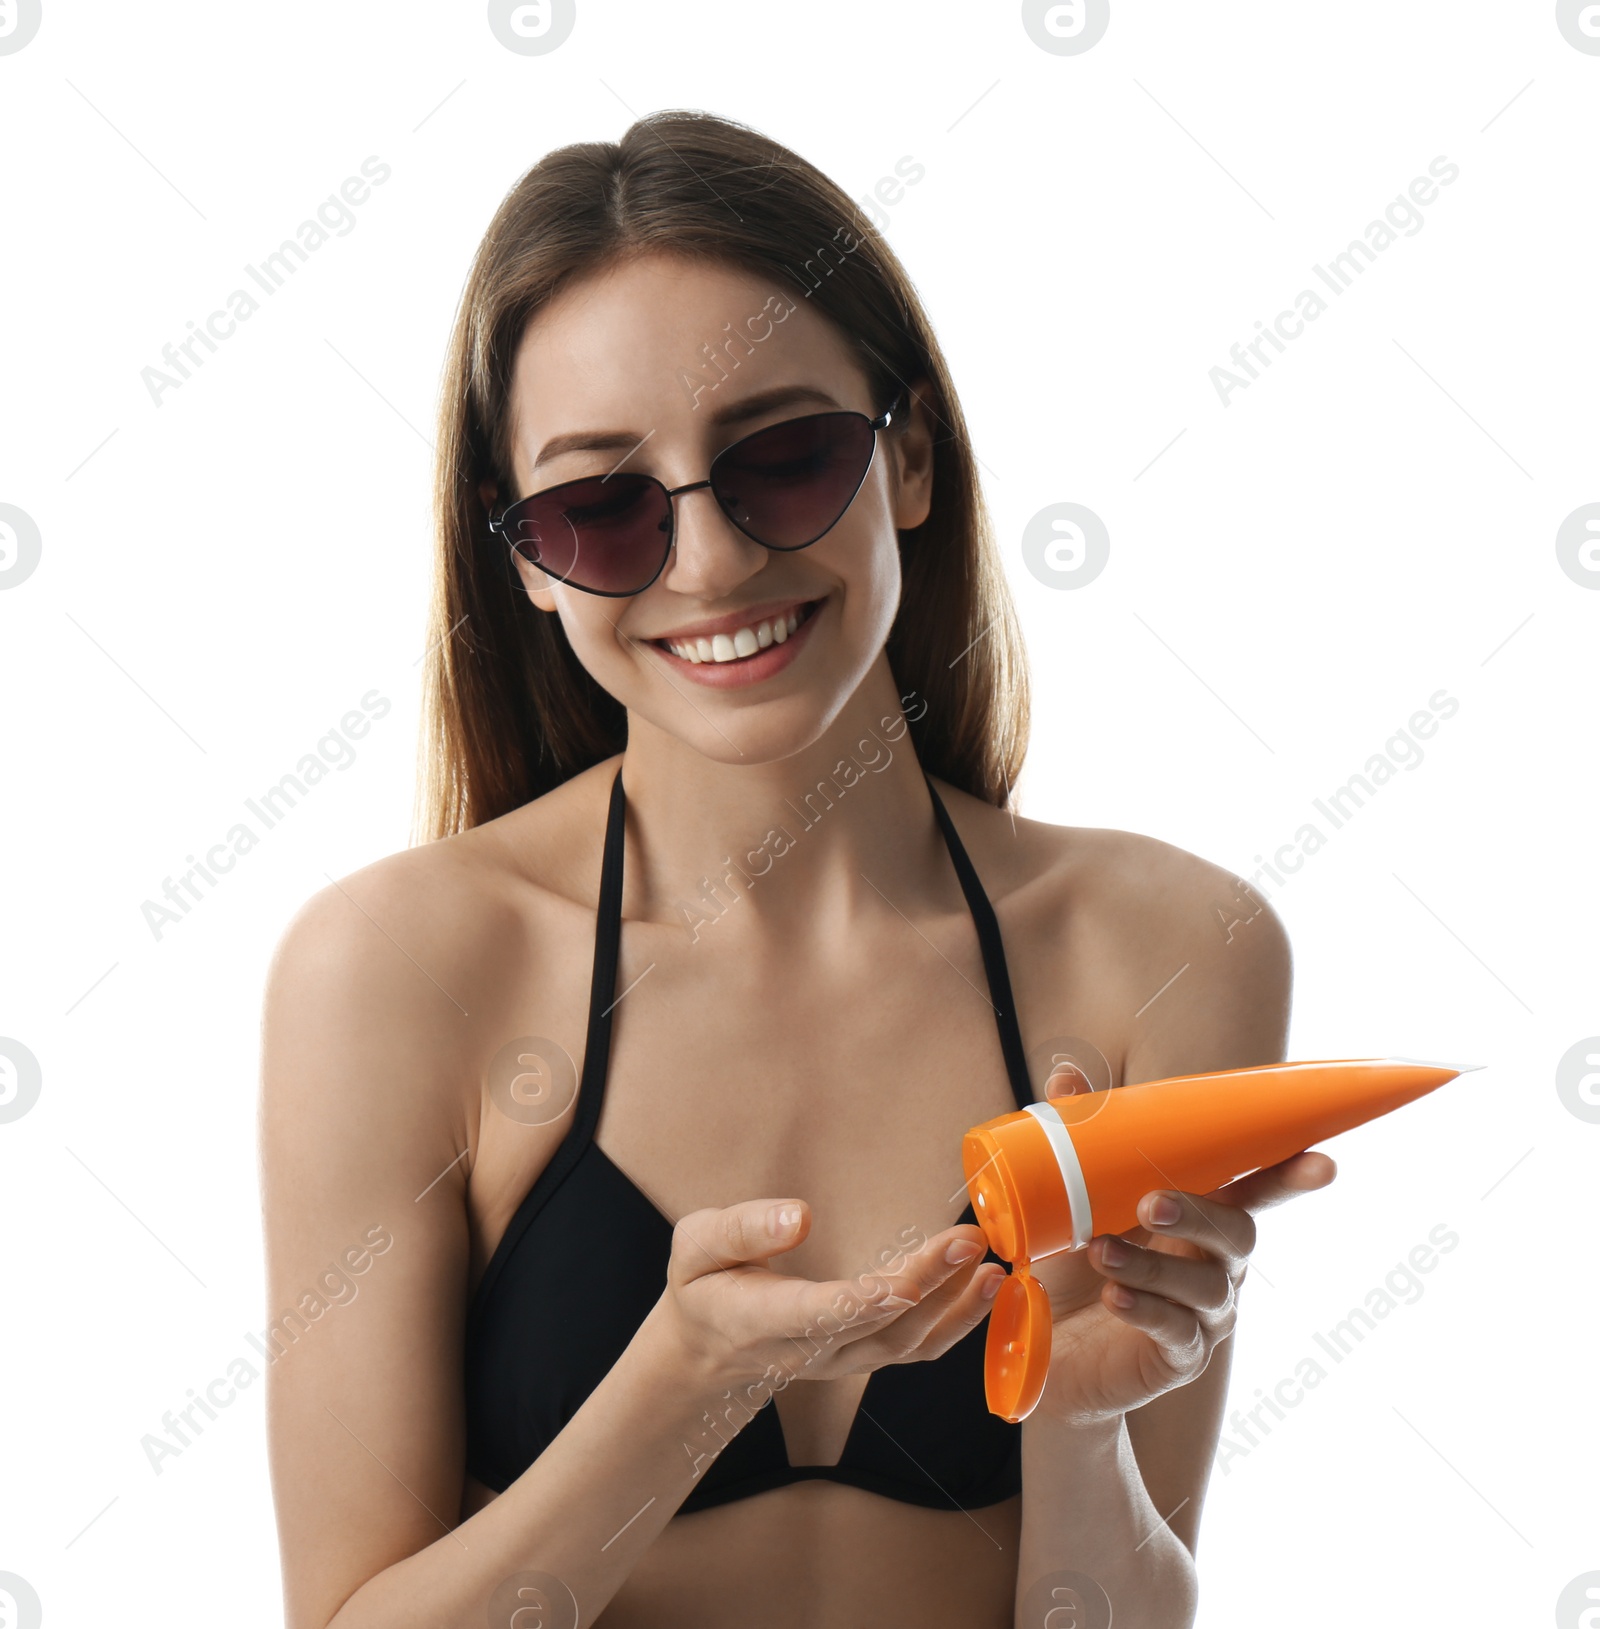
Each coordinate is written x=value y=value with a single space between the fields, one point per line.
x=783 y=487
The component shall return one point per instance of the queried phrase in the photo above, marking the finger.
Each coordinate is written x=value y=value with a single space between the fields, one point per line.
x=944 y=1276
x=1226 y=1232
x=936 y=1300
x=959 y=1307
x=934 y=1325
x=1273 y=1184
x=1201 y=1284
x=819 y=1321
x=738 y=1242
x=922 y=1271
x=1175 y=1329
x=919 y=1310
x=711 y=1239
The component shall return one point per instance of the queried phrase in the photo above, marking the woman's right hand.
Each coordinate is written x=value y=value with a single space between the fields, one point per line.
x=745 y=1322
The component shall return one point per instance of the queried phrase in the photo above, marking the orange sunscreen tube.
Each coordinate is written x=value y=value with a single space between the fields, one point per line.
x=1050 y=1177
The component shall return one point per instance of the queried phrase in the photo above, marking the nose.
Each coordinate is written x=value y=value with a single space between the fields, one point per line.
x=710 y=555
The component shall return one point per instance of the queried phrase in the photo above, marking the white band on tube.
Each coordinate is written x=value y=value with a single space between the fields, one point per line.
x=1071 y=1171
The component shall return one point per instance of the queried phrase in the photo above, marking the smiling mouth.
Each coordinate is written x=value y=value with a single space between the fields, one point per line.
x=742 y=643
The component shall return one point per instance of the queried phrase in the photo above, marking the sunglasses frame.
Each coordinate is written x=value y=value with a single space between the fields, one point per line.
x=497 y=523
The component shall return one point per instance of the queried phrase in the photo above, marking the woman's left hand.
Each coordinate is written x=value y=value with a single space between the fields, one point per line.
x=1183 y=1278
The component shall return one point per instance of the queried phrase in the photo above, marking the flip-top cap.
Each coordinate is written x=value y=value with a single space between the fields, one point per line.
x=1016 y=1358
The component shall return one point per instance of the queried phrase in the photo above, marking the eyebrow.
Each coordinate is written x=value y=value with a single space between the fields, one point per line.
x=740 y=412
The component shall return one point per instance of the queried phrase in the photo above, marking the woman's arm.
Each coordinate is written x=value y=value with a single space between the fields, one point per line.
x=367 y=1133
x=1114 y=1506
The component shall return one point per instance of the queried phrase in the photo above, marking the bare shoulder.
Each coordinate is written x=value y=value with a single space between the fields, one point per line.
x=1195 y=956
x=1141 y=877
x=411 y=959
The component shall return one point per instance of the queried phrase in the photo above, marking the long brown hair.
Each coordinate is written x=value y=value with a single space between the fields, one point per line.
x=508 y=710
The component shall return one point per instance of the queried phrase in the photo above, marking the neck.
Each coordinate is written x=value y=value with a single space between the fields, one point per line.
x=793 y=845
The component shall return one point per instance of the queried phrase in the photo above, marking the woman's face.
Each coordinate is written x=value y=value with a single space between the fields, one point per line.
x=620 y=359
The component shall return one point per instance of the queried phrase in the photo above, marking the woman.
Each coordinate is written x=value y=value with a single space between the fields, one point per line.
x=723 y=652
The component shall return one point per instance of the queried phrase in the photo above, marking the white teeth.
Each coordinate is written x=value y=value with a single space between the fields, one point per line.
x=743 y=642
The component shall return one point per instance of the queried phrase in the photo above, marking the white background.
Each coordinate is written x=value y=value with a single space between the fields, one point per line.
x=1373 y=520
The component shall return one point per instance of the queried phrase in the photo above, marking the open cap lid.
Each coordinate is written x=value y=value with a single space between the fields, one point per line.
x=1016 y=1358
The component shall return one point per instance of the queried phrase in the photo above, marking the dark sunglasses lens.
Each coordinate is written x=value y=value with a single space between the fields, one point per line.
x=788 y=485
x=609 y=535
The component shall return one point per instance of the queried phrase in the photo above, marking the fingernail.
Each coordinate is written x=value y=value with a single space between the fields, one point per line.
x=962 y=1250
x=1114 y=1253
x=991 y=1286
x=1165 y=1210
x=782 y=1218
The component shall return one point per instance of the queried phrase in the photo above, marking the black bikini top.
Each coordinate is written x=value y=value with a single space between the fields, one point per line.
x=585 y=1259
